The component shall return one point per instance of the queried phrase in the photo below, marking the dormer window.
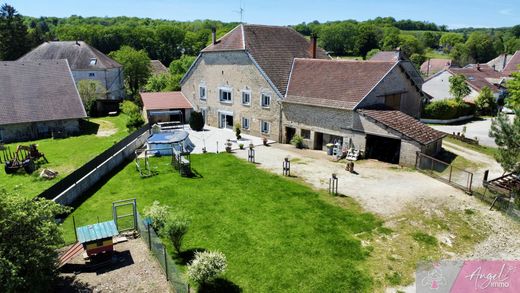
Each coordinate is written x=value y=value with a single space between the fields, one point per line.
x=93 y=61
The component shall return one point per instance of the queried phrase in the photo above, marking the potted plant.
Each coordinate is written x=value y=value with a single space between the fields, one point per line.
x=228 y=146
x=237 y=131
x=204 y=150
x=297 y=141
x=265 y=141
x=241 y=146
x=251 y=145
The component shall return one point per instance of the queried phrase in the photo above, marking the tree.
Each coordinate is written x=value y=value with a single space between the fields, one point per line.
x=410 y=45
x=29 y=237
x=136 y=67
x=197 y=121
x=449 y=40
x=163 y=82
x=485 y=102
x=417 y=59
x=461 y=55
x=391 y=39
x=513 y=89
x=181 y=65
x=13 y=34
x=176 y=227
x=480 y=46
x=458 y=87
x=367 y=39
x=338 y=38
x=89 y=91
x=134 y=117
x=206 y=266
x=430 y=39
x=507 y=138
x=371 y=53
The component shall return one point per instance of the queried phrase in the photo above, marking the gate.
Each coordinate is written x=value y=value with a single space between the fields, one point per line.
x=445 y=172
x=128 y=208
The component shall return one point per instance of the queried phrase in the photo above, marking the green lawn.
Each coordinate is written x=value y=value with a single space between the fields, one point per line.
x=278 y=234
x=489 y=151
x=66 y=155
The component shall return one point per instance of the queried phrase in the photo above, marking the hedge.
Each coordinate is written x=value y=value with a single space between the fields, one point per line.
x=448 y=109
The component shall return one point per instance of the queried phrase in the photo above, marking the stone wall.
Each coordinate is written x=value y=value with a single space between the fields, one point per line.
x=396 y=82
x=111 y=79
x=236 y=71
x=37 y=130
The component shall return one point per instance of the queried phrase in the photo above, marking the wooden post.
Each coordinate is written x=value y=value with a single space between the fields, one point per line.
x=149 y=238
x=135 y=214
x=166 y=263
x=451 y=169
x=286 y=167
x=74 y=223
x=470 y=178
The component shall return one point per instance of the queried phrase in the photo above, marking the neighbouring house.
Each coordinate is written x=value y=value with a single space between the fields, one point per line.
x=166 y=107
x=86 y=62
x=434 y=65
x=371 y=106
x=157 y=67
x=512 y=64
x=437 y=87
x=242 y=77
x=38 y=99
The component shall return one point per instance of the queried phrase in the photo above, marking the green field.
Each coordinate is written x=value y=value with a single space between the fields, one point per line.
x=65 y=155
x=277 y=234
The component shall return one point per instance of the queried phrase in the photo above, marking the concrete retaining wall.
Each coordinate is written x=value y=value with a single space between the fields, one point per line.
x=76 y=190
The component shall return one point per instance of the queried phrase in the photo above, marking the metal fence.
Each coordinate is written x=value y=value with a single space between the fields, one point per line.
x=443 y=171
x=154 y=243
x=82 y=171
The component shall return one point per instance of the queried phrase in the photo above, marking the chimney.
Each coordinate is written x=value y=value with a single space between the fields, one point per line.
x=213 y=35
x=494 y=67
x=77 y=42
x=314 y=43
x=478 y=66
x=505 y=61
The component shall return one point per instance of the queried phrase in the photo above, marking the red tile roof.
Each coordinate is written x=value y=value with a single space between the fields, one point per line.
x=435 y=65
x=165 y=100
x=334 y=83
x=272 y=47
x=512 y=64
x=478 y=78
x=389 y=56
x=404 y=124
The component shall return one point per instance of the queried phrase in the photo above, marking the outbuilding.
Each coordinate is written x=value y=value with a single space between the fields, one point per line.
x=166 y=107
x=97 y=238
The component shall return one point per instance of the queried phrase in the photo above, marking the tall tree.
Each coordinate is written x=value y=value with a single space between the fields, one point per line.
x=367 y=39
x=513 y=90
x=136 y=67
x=449 y=40
x=29 y=237
x=90 y=91
x=480 y=46
x=13 y=34
x=507 y=137
x=458 y=87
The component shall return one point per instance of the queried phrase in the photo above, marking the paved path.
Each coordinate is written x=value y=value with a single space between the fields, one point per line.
x=214 y=139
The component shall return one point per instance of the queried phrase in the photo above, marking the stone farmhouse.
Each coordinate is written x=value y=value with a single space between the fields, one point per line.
x=86 y=62
x=38 y=99
x=276 y=83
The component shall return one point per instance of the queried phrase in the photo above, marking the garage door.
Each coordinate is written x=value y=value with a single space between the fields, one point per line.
x=383 y=148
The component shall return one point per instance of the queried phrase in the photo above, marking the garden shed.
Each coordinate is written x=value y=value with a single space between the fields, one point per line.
x=97 y=238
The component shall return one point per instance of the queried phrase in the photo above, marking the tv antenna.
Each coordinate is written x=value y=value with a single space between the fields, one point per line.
x=241 y=12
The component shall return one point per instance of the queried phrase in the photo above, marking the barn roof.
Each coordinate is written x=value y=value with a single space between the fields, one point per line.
x=403 y=124
x=165 y=100
x=334 y=83
x=273 y=48
x=97 y=231
x=38 y=91
x=81 y=56
x=157 y=67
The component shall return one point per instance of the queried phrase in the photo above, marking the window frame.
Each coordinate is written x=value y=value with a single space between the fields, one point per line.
x=305 y=136
x=262 y=127
x=228 y=90
x=201 y=87
x=244 y=124
x=262 y=100
x=91 y=74
x=248 y=92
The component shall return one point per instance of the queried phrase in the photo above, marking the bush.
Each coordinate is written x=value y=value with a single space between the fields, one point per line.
x=237 y=131
x=176 y=227
x=197 y=121
x=134 y=121
x=128 y=107
x=158 y=214
x=206 y=266
x=297 y=141
x=448 y=109
x=485 y=102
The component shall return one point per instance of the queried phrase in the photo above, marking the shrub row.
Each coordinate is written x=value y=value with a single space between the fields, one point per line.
x=448 y=109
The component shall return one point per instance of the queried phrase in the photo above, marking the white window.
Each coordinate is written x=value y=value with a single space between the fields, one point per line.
x=225 y=95
x=265 y=127
x=91 y=74
x=266 y=100
x=245 y=123
x=204 y=113
x=93 y=61
x=246 y=97
x=202 y=92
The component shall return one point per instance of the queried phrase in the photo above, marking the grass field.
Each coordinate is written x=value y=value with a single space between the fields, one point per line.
x=65 y=155
x=278 y=234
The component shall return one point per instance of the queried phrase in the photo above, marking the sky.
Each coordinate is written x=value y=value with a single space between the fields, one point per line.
x=453 y=13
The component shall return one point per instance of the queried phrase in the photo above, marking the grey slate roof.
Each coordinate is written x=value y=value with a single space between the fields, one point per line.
x=79 y=54
x=38 y=91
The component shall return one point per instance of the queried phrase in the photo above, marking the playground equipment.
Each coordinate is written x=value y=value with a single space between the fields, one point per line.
x=24 y=157
x=142 y=162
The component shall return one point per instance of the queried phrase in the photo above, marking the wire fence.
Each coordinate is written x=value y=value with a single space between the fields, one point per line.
x=454 y=176
x=154 y=243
